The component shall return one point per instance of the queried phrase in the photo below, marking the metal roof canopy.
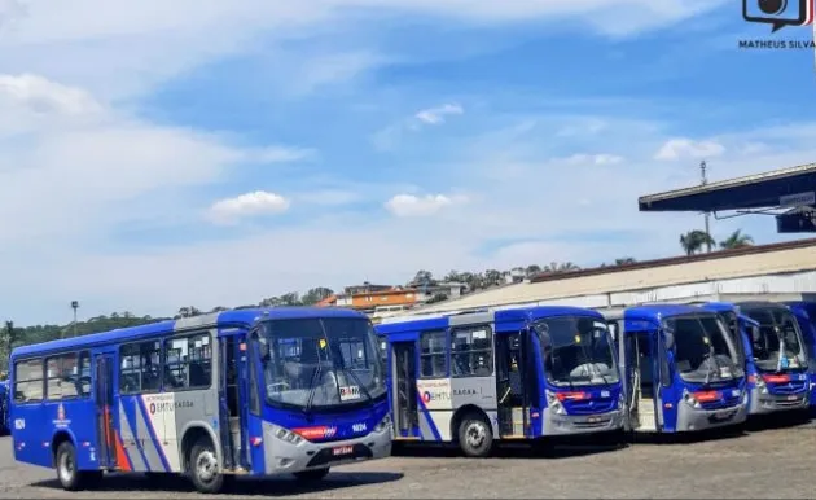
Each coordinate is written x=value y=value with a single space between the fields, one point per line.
x=766 y=190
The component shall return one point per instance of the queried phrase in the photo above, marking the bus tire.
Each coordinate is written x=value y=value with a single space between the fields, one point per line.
x=204 y=470
x=65 y=461
x=475 y=436
x=310 y=475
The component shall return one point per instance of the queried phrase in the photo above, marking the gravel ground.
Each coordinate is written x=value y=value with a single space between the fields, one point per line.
x=765 y=463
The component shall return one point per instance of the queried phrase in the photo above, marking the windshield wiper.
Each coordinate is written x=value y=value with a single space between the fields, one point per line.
x=317 y=371
x=711 y=370
x=781 y=352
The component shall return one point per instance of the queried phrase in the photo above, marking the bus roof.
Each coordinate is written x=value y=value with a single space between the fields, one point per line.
x=665 y=310
x=446 y=320
x=224 y=318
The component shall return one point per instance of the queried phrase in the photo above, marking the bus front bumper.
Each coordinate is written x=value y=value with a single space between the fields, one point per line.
x=770 y=403
x=555 y=424
x=694 y=419
x=283 y=456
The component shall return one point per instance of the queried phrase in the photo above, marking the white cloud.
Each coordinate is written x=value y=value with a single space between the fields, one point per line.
x=683 y=148
x=595 y=159
x=248 y=205
x=542 y=213
x=44 y=96
x=437 y=115
x=91 y=166
x=120 y=49
x=408 y=205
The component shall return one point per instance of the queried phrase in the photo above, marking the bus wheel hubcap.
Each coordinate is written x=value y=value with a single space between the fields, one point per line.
x=66 y=468
x=475 y=434
x=206 y=466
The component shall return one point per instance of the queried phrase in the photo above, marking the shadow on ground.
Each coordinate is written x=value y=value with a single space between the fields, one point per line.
x=240 y=486
x=551 y=448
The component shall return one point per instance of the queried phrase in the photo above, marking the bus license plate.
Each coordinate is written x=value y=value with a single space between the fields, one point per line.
x=723 y=414
x=342 y=450
x=593 y=420
x=792 y=397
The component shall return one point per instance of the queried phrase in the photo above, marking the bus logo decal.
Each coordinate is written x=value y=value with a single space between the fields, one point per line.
x=61 y=420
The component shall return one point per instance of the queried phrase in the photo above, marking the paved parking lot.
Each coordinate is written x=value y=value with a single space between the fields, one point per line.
x=771 y=463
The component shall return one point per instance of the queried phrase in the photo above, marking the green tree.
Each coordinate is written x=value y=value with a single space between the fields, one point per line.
x=694 y=241
x=738 y=239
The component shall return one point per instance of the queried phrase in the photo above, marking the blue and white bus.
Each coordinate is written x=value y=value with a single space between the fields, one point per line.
x=473 y=378
x=779 y=353
x=4 y=408
x=257 y=392
x=806 y=315
x=681 y=371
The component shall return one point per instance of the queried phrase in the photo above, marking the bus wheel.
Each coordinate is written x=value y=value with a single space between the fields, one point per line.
x=475 y=436
x=67 y=473
x=203 y=467
x=311 y=475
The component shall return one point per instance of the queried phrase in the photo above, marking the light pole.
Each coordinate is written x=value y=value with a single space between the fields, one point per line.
x=75 y=306
x=704 y=181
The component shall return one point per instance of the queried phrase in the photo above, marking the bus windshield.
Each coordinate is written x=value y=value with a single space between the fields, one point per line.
x=577 y=350
x=703 y=351
x=318 y=363
x=777 y=343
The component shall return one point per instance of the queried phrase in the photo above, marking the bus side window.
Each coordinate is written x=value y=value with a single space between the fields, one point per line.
x=472 y=352
x=434 y=354
x=188 y=362
x=28 y=381
x=141 y=367
x=63 y=377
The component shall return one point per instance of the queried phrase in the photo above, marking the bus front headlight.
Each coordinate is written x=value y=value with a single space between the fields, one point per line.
x=555 y=404
x=761 y=385
x=621 y=401
x=691 y=401
x=288 y=436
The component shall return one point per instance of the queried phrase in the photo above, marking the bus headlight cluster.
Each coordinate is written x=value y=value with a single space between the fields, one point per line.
x=621 y=401
x=384 y=425
x=288 y=436
x=554 y=403
x=761 y=385
x=691 y=400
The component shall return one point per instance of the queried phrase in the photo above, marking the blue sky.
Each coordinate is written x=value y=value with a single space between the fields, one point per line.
x=211 y=153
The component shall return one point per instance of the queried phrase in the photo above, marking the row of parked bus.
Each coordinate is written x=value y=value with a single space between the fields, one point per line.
x=475 y=377
x=300 y=390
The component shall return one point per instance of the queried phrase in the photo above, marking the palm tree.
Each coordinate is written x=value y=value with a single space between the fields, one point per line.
x=694 y=241
x=738 y=239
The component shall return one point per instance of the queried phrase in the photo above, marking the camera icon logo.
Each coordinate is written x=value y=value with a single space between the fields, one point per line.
x=778 y=13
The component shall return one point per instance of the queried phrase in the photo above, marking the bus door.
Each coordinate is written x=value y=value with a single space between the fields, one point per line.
x=404 y=388
x=229 y=351
x=748 y=331
x=106 y=410
x=807 y=324
x=638 y=352
x=668 y=392
x=512 y=381
x=629 y=370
